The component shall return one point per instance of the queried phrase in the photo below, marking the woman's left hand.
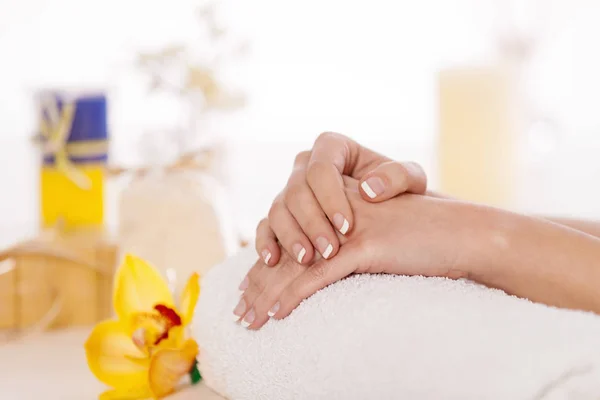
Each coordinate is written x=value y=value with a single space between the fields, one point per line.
x=406 y=235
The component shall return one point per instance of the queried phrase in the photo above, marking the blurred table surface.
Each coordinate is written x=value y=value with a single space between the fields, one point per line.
x=52 y=366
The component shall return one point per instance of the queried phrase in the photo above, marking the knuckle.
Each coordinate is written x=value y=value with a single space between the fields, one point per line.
x=401 y=168
x=275 y=209
x=290 y=270
x=413 y=165
x=302 y=157
x=315 y=170
x=312 y=226
x=253 y=275
x=318 y=272
x=415 y=169
x=403 y=176
x=260 y=285
x=278 y=201
x=296 y=192
x=287 y=264
x=272 y=214
x=366 y=246
x=255 y=286
x=293 y=294
x=325 y=136
x=262 y=225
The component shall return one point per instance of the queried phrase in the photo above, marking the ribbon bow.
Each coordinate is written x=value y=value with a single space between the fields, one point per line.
x=55 y=127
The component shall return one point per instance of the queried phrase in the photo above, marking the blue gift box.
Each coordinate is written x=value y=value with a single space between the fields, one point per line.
x=75 y=135
x=87 y=140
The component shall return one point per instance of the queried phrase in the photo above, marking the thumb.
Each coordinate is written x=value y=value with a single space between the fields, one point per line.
x=392 y=178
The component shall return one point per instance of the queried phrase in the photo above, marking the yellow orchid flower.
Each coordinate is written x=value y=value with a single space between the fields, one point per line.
x=144 y=352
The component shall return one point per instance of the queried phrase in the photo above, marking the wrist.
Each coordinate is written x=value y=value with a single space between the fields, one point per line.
x=531 y=258
x=485 y=236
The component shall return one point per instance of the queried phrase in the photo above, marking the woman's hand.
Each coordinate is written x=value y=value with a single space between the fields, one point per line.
x=313 y=206
x=261 y=286
x=407 y=235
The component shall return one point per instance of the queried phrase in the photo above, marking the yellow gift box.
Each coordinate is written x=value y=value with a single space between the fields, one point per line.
x=63 y=200
x=73 y=128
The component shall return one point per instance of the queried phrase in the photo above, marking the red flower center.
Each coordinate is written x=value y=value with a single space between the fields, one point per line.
x=170 y=320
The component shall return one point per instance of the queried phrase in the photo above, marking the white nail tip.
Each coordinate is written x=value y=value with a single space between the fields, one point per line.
x=270 y=314
x=245 y=324
x=365 y=186
x=328 y=251
x=267 y=258
x=301 y=255
x=344 y=227
x=235 y=318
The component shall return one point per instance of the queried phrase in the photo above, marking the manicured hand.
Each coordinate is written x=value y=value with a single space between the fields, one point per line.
x=406 y=235
x=260 y=288
x=313 y=208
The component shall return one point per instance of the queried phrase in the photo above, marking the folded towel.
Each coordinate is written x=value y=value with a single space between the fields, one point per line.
x=396 y=337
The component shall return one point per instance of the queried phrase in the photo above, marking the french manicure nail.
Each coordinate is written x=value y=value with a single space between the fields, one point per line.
x=341 y=223
x=240 y=308
x=300 y=252
x=248 y=319
x=328 y=251
x=373 y=187
x=244 y=284
x=325 y=248
x=266 y=255
x=273 y=310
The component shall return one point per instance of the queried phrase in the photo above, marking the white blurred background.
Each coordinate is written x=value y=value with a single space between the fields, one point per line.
x=364 y=68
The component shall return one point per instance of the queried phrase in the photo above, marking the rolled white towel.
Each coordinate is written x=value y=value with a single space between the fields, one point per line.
x=395 y=337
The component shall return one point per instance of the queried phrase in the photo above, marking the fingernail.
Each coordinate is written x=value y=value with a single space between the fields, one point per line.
x=273 y=310
x=266 y=255
x=248 y=319
x=244 y=284
x=240 y=308
x=373 y=187
x=300 y=251
x=341 y=223
x=325 y=248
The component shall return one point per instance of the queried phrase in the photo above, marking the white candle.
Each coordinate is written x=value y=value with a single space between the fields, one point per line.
x=478 y=117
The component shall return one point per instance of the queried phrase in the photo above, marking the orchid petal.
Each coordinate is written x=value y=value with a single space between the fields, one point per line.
x=138 y=288
x=189 y=298
x=168 y=366
x=110 y=355
x=126 y=394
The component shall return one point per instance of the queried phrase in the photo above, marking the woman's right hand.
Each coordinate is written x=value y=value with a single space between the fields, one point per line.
x=313 y=205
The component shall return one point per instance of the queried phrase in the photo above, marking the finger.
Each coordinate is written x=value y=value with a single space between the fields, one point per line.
x=349 y=157
x=266 y=243
x=330 y=157
x=316 y=277
x=266 y=304
x=334 y=155
x=290 y=234
x=257 y=282
x=301 y=161
x=305 y=209
x=241 y=307
x=391 y=179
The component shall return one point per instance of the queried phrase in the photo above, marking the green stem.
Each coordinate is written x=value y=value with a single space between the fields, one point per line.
x=195 y=374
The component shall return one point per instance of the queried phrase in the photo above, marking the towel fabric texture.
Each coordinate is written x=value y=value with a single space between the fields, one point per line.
x=395 y=337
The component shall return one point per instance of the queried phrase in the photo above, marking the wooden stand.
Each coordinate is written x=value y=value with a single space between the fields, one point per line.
x=56 y=281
